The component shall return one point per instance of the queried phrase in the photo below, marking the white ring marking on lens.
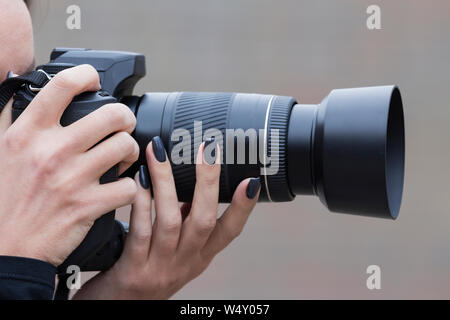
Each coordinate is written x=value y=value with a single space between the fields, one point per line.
x=266 y=123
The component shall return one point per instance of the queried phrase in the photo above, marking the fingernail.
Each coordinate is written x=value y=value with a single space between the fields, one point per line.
x=209 y=156
x=144 y=178
x=158 y=149
x=9 y=75
x=253 y=187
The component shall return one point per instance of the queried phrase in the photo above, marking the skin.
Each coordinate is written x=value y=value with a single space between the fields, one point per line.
x=16 y=37
x=160 y=258
x=51 y=196
x=49 y=187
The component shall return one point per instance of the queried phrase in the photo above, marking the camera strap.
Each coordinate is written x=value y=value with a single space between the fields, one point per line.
x=11 y=85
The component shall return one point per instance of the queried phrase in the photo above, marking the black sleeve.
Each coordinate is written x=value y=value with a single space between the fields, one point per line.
x=25 y=278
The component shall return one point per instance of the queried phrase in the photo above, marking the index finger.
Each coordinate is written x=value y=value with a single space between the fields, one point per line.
x=49 y=104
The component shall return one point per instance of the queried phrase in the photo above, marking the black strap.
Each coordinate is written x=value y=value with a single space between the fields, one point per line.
x=11 y=85
x=62 y=291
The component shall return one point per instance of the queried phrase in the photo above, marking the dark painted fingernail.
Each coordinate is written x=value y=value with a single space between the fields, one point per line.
x=209 y=156
x=9 y=75
x=253 y=187
x=158 y=149
x=144 y=178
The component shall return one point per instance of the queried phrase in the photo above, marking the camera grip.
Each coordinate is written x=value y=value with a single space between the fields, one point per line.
x=85 y=256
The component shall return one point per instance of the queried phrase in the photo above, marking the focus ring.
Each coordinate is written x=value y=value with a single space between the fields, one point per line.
x=277 y=178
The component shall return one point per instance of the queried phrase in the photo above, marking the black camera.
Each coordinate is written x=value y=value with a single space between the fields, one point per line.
x=348 y=150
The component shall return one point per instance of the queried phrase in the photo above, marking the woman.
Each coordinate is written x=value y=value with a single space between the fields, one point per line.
x=50 y=195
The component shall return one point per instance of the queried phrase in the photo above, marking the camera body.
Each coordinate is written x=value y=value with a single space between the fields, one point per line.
x=118 y=72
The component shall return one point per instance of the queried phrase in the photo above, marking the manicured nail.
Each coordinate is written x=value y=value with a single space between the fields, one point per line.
x=9 y=75
x=209 y=156
x=158 y=149
x=144 y=178
x=253 y=187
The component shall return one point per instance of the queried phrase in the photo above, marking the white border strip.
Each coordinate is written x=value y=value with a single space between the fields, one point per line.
x=266 y=123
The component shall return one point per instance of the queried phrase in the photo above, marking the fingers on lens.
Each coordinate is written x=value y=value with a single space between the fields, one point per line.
x=232 y=222
x=140 y=231
x=206 y=194
x=168 y=216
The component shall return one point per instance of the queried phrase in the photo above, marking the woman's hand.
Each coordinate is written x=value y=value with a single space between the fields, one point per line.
x=161 y=258
x=49 y=175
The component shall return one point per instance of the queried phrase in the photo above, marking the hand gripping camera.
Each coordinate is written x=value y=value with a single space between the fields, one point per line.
x=348 y=149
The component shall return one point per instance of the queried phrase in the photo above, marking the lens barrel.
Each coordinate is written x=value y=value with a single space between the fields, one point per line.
x=348 y=150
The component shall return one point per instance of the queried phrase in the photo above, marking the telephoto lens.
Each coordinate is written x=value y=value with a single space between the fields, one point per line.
x=348 y=150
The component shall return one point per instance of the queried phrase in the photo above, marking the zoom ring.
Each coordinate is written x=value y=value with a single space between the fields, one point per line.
x=212 y=110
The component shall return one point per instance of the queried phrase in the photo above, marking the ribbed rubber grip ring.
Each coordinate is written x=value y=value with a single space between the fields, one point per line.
x=277 y=184
x=212 y=110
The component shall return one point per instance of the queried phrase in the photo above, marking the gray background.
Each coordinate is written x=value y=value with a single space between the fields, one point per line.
x=303 y=49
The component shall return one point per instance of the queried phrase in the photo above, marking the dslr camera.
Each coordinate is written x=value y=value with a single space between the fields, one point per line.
x=348 y=150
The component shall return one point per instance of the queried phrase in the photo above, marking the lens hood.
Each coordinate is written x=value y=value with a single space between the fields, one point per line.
x=359 y=151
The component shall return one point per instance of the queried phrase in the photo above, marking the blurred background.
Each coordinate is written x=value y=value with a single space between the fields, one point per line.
x=303 y=49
